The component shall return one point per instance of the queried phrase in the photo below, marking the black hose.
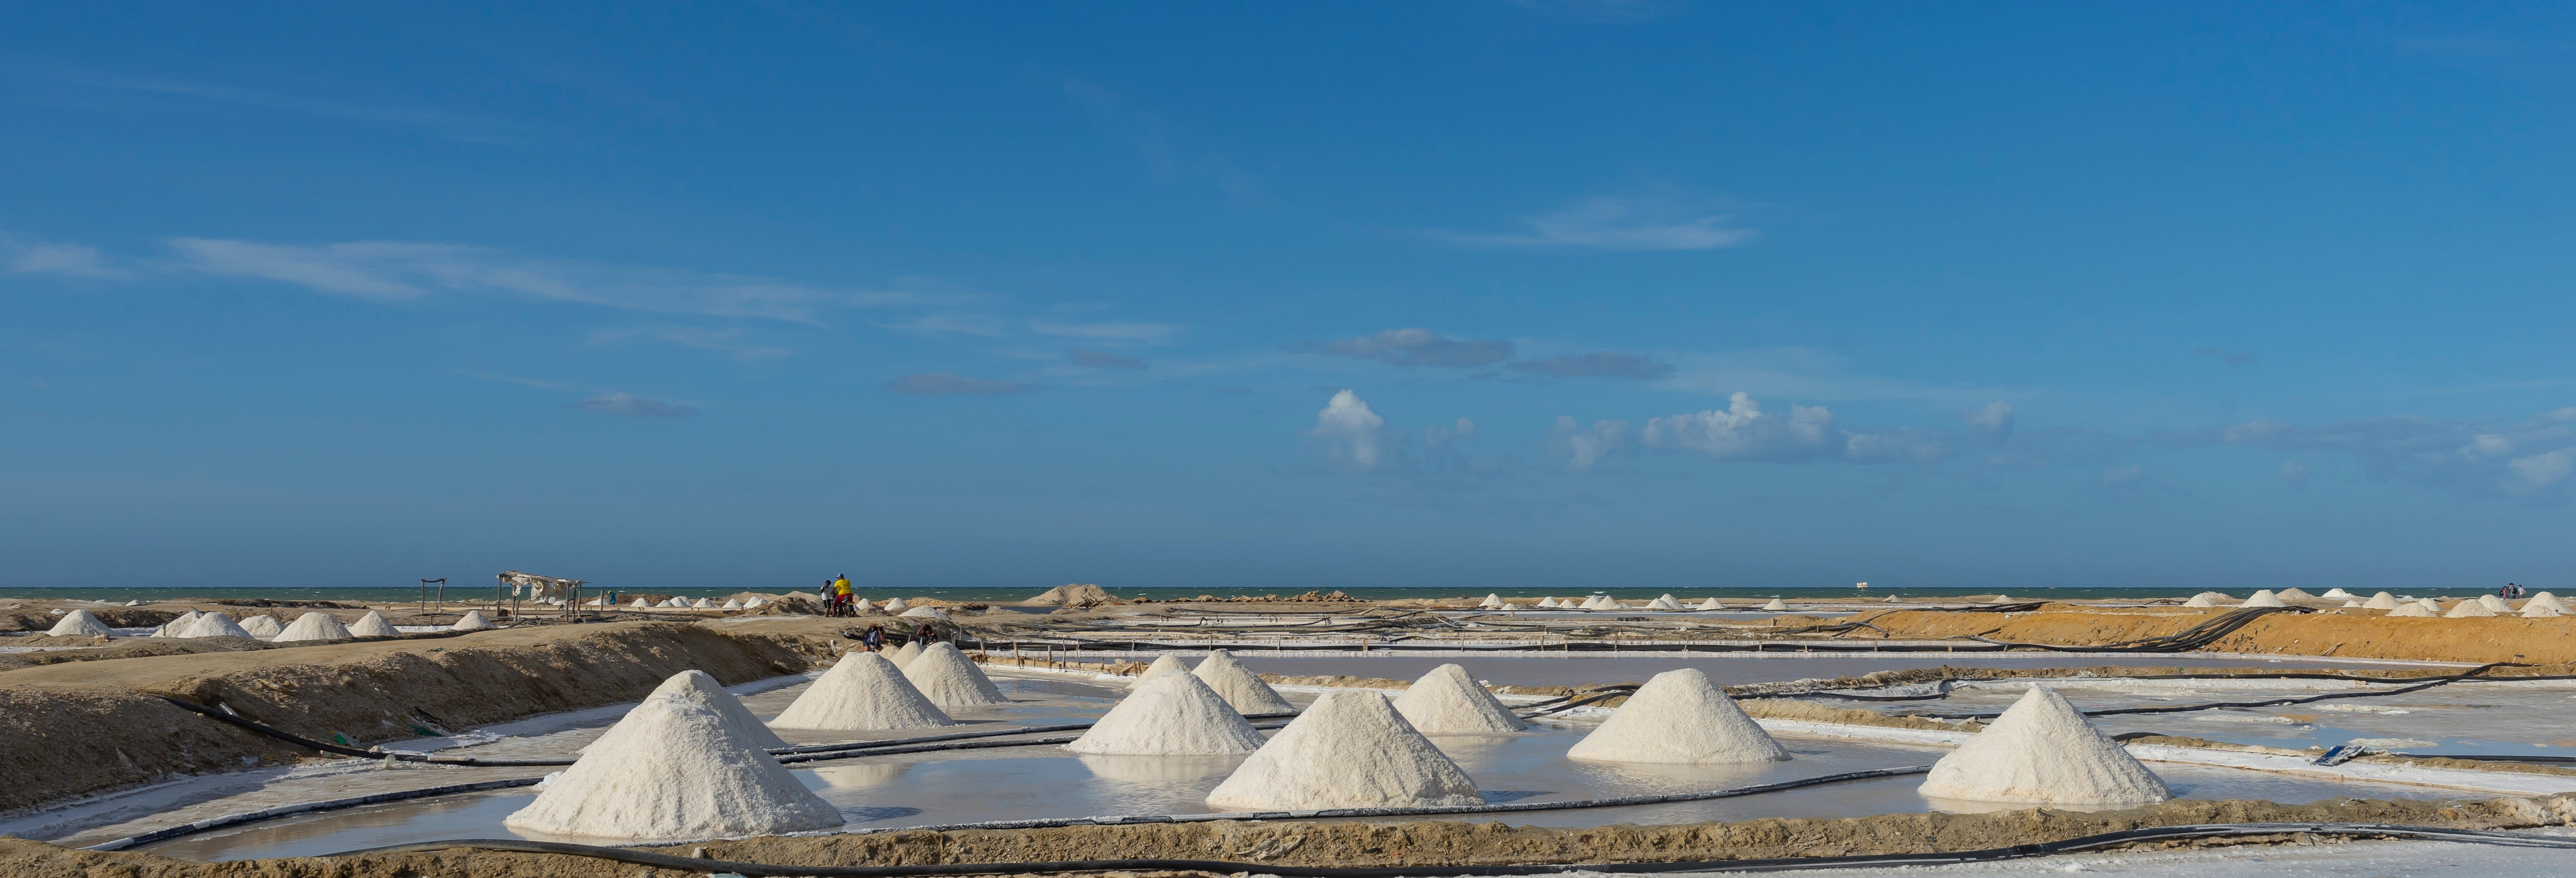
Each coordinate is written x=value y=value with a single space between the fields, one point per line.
x=325 y=747
x=1226 y=867
x=2274 y=702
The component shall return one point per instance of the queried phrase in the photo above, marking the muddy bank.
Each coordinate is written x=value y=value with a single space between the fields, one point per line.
x=84 y=727
x=1358 y=844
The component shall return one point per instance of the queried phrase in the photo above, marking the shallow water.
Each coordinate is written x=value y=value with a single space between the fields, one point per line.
x=2460 y=718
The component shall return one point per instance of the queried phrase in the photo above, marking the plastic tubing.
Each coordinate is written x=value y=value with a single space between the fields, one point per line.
x=1224 y=867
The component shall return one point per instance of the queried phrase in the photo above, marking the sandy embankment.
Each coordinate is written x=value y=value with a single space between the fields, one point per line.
x=78 y=728
x=2336 y=633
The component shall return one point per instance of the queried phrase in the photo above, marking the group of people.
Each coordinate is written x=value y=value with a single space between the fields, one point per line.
x=838 y=602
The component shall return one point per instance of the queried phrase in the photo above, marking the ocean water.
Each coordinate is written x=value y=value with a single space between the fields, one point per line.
x=876 y=592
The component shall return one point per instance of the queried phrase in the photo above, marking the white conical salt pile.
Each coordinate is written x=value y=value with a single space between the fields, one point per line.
x=2041 y=751
x=1163 y=664
x=1239 y=686
x=2294 y=593
x=862 y=605
x=1710 y=604
x=1492 y=602
x=2495 y=603
x=215 y=625
x=2214 y=596
x=1447 y=702
x=373 y=625
x=2534 y=609
x=80 y=623
x=2381 y=601
x=732 y=604
x=1547 y=603
x=1679 y=717
x=1664 y=603
x=2352 y=603
x=2263 y=598
x=949 y=679
x=472 y=621
x=2001 y=599
x=904 y=654
x=134 y=603
x=1776 y=604
x=2546 y=599
x=2200 y=600
x=640 y=604
x=173 y=627
x=754 y=602
x=263 y=626
x=701 y=687
x=669 y=603
x=701 y=604
x=1350 y=749
x=313 y=626
x=2338 y=594
x=865 y=692
x=2429 y=604
x=1170 y=715
x=2413 y=611
x=2469 y=610
x=896 y=605
x=927 y=613
x=677 y=769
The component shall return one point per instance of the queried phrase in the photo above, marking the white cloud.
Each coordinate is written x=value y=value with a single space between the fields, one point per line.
x=1745 y=432
x=1351 y=431
x=1990 y=426
x=394 y=271
x=2542 y=470
x=1584 y=447
x=36 y=257
x=2516 y=458
x=1615 y=223
x=1133 y=332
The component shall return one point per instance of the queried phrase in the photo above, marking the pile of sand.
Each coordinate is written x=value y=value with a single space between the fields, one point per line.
x=1072 y=595
x=2412 y=610
x=1492 y=602
x=314 y=626
x=2381 y=601
x=2041 y=751
x=864 y=692
x=472 y=621
x=1776 y=604
x=927 y=613
x=1349 y=750
x=1163 y=664
x=1170 y=715
x=80 y=623
x=1447 y=702
x=903 y=655
x=949 y=679
x=1239 y=686
x=373 y=625
x=1711 y=604
x=2470 y=610
x=675 y=767
x=2264 y=598
x=214 y=625
x=1664 y=603
x=263 y=626
x=2200 y=600
x=1679 y=717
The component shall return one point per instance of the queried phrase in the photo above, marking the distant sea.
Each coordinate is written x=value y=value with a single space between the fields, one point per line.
x=121 y=594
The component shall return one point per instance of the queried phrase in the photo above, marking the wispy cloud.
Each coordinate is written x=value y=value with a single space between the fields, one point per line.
x=19 y=256
x=120 y=93
x=1109 y=331
x=396 y=271
x=1603 y=365
x=1745 y=431
x=625 y=405
x=946 y=384
x=2516 y=458
x=1409 y=348
x=732 y=341
x=1615 y=223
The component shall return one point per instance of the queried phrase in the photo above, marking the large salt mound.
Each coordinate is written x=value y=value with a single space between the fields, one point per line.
x=1546 y=603
x=863 y=692
x=2429 y=604
x=1492 y=602
x=174 y=627
x=640 y=604
x=2200 y=600
x=1679 y=717
x=2381 y=601
x=215 y=625
x=949 y=679
x=2214 y=596
x=2338 y=594
x=2264 y=598
x=2494 y=603
x=1447 y=702
x=80 y=623
x=896 y=605
x=1170 y=715
x=373 y=625
x=1711 y=604
x=2041 y=751
x=904 y=655
x=2534 y=609
x=701 y=687
x=675 y=768
x=1350 y=749
x=472 y=621
x=1163 y=664
x=314 y=626
x=1664 y=603
x=2546 y=599
x=732 y=604
x=2469 y=610
x=263 y=626
x=2412 y=610
x=1776 y=604
x=1239 y=686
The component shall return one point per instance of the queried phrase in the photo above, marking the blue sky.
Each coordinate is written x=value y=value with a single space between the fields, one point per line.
x=1543 y=296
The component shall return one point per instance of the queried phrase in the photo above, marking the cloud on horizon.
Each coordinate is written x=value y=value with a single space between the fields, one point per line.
x=1744 y=431
x=2521 y=458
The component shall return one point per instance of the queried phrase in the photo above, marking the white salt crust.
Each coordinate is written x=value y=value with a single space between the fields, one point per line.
x=1447 y=702
x=949 y=679
x=904 y=655
x=472 y=621
x=80 y=623
x=675 y=767
x=1170 y=715
x=2337 y=594
x=2381 y=601
x=373 y=625
x=863 y=692
x=314 y=626
x=2041 y=751
x=263 y=626
x=2546 y=599
x=1350 y=749
x=1679 y=717
x=1163 y=664
x=1239 y=686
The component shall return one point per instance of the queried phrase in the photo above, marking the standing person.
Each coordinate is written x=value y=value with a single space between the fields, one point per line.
x=874 y=639
x=841 y=596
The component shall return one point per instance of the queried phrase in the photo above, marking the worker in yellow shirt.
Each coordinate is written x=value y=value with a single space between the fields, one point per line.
x=841 y=596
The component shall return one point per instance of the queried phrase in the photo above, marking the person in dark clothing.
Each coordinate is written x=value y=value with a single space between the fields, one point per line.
x=926 y=636
x=874 y=639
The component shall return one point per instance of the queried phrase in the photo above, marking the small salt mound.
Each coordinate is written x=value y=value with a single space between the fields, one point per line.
x=80 y=623
x=754 y=602
x=1170 y=715
x=2495 y=603
x=2001 y=599
x=1163 y=664
x=2546 y=599
x=1709 y=604
x=669 y=603
x=701 y=687
x=926 y=613
x=2538 y=610
x=2429 y=604
x=2469 y=610
x=596 y=602
x=732 y=604
x=2381 y=601
x=896 y=605
x=1776 y=604
x=1664 y=603
x=1679 y=717
x=2352 y=603
x=862 y=605
x=374 y=625
x=640 y=604
x=1492 y=602
x=215 y=625
x=313 y=626
x=175 y=627
x=904 y=654
x=2293 y=593
x=2412 y=610
x=1239 y=686
x=678 y=769
x=949 y=679
x=864 y=692
x=2214 y=596
x=134 y=603
x=1349 y=750
x=472 y=621
x=1547 y=603
x=2041 y=751
x=2200 y=600
x=701 y=604
x=2337 y=594
x=1447 y=702
x=2263 y=598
